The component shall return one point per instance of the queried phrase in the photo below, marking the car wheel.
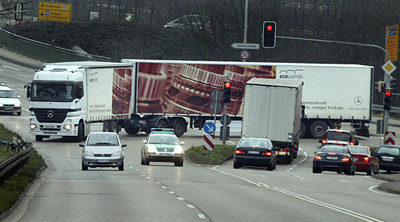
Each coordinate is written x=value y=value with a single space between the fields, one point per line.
x=141 y=161
x=39 y=138
x=81 y=132
x=317 y=129
x=270 y=165
x=179 y=163
x=289 y=159
x=121 y=167
x=353 y=171
x=388 y=171
x=369 y=171
x=146 y=161
x=236 y=165
x=18 y=113
x=84 y=167
x=339 y=172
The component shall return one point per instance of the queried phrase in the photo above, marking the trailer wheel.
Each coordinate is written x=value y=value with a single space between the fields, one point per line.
x=129 y=129
x=317 y=129
x=179 y=127
x=303 y=130
x=113 y=126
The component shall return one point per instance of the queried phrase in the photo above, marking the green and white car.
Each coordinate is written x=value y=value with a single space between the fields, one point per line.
x=162 y=145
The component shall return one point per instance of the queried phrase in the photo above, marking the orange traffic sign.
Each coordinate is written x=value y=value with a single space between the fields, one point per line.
x=55 y=12
x=392 y=42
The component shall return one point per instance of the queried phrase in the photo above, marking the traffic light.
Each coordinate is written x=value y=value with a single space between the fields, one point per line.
x=269 y=34
x=393 y=84
x=380 y=86
x=19 y=8
x=387 y=103
x=227 y=91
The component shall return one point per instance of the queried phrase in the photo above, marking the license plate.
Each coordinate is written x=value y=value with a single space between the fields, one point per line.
x=253 y=152
x=281 y=153
x=50 y=126
x=165 y=154
x=102 y=161
x=9 y=108
x=331 y=158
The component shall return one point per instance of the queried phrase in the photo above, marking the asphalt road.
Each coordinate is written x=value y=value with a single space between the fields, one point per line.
x=194 y=192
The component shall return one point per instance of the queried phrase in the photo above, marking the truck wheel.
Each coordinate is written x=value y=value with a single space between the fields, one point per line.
x=317 y=129
x=179 y=127
x=130 y=130
x=113 y=126
x=162 y=124
x=39 y=138
x=81 y=132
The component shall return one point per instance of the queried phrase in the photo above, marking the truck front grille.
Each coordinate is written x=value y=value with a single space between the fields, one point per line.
x=50 y=115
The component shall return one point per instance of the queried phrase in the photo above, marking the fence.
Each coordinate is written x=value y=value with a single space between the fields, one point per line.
x=42 y=51
x=20 y=151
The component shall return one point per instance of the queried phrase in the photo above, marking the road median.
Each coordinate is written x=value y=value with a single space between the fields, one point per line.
x=220 y=154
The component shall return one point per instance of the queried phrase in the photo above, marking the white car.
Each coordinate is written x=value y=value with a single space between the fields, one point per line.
x=9 y=101
x=102 y=149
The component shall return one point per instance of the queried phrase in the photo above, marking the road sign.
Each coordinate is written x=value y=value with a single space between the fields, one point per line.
x=228 y=119
x=215 y=107
x=209 y=141
x=392 y=42
x=54 y=12
x=389 y=138
x=239 y=45
x=244 y=54
x=209 y=128
x=216 y=94
x=388 y=67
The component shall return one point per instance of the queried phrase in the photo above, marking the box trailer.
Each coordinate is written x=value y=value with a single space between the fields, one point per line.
x=272 y=110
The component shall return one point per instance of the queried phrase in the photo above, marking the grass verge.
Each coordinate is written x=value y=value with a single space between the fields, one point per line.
x=199 y=155
x=5 y=135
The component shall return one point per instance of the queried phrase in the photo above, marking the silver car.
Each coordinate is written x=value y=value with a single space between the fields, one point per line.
x=102 y=149
x=9 y=101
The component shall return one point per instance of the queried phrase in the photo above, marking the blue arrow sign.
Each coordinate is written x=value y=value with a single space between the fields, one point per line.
x=209 y=128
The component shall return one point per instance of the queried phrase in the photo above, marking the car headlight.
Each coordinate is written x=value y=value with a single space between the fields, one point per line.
x=1 y=105
x=88 y=153
x=178 y=150
x=152 y=150
x=17 y=105
x=33 y=126
x=117 y=154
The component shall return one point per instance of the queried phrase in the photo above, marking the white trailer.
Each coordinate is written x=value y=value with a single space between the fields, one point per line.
x=272 y=109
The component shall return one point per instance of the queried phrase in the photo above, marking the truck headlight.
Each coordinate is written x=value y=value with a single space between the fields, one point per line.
x=67 y=126
x=33 y=126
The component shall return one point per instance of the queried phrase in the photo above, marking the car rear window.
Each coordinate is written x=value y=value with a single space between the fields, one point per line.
x=254 y=143
x=389 y=150
x=333 y=135
x=334 y=149
x=362 y=150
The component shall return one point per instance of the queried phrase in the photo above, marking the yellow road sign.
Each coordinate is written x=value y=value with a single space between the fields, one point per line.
x=55 y=12
x=392 y=42
x=388 y=67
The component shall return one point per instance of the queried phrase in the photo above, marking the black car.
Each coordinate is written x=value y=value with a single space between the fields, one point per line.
x=389 y=157
x=334 y=158
x=338 y=137
x=254 y=152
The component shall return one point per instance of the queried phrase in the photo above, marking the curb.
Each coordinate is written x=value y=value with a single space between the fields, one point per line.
x=16 y=58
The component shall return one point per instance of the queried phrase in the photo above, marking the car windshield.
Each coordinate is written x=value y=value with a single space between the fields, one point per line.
x=163 y=139
x=254 y=143
x=389 y=150
x=342 y=136
x=102 y=140
x=7 y=94
x=52 y=91
x=362 y=150
x=334 y=149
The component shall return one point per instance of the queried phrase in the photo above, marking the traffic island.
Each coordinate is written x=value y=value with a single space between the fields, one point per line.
x=220 y=154
x=393 y=182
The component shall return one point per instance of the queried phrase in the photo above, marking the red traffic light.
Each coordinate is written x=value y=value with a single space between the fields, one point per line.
x=269 y=28
x=227 y=85
x=388 y=93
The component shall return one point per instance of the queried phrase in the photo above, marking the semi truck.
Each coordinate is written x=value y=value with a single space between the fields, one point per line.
x=272 y=110
x=137 y=95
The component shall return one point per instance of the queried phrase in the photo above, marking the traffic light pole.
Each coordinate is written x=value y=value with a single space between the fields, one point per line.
x=386 y=77
x=224 y=125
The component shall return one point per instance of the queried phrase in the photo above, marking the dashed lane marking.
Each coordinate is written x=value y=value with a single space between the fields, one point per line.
x=10 y=67
x=201 y=216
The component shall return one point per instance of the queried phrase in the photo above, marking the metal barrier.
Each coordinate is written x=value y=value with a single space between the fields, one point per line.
x=22 y=151
x=43 y=51
x=377 y=107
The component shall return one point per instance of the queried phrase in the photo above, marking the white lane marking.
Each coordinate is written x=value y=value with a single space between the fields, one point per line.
x=143 y=175
x=180 y=198
x=373 y=189
x=131 y=167
x=9 y=67
x=158 y=182
x=201 y=216
x=190 y=206
x=294 y=166
x=24 y=76
x=171 y=192
x=148 y=178
x=25 y=109
x=164 y=187
x=305 y=198
x=1 y=70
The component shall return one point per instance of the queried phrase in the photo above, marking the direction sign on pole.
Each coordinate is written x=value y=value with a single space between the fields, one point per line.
x=54 y=12
x=209 y=128
x=392 y=42
x=209 y=141
x=239 y=45
x=389 y=138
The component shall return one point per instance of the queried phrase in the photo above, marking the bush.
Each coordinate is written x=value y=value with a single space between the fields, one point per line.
x=219 y=154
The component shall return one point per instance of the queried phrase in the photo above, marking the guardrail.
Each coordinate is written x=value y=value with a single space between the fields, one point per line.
x=22 y=152
x=43 y=51
x=377 y=107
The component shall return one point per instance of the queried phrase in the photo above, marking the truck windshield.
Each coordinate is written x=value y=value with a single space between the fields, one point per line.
x=52 y=91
